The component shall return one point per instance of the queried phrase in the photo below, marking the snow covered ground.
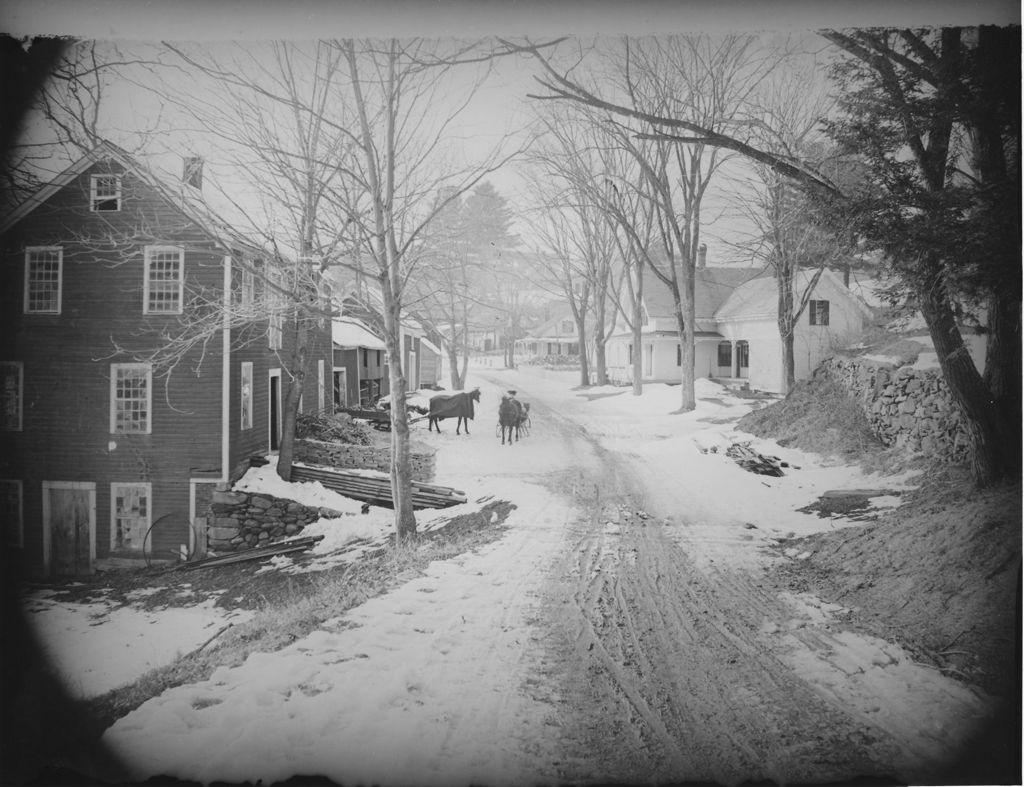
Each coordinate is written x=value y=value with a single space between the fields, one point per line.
x=423 y=684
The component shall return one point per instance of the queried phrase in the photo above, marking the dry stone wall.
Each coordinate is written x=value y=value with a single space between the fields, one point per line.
x=241 y=520
x=907 y=407
x=366 y=457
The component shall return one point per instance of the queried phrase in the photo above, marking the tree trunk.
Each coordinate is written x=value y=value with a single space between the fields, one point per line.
x=600 y=358
x=581 y=329
x=290 y=411
x=637 y=359
x=788 y=360
x=687 y=325
x=401 y=471
x=785 y=321
x=1002 y=374
x=990 y=459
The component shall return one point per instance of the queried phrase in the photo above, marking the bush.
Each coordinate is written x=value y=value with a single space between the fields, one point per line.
x=337 y=428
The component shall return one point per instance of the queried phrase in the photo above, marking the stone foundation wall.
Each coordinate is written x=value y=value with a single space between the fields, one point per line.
x=241 y=520
x=365 y=457
x=906 y=407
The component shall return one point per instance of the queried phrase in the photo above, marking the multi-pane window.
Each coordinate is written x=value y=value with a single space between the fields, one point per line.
x=819 y=312
x=679 y=355
x=246 y=388
x=105 y=193
x=131 y=398
x=43 y=277
x=11 y=513
x=164 y=280
x=129 y=517
x=11 y=395
x=567 y=326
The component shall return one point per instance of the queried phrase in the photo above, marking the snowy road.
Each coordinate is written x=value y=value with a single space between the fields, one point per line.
x=618 y=632
x=675 y=666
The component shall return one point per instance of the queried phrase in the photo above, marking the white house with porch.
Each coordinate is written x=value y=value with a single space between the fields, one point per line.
x=736 y=330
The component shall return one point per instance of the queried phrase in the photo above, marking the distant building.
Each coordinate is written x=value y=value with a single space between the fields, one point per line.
x=102 y=459
x=736 y=334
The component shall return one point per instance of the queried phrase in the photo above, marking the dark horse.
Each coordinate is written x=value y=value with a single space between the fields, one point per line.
x=455 y=405
x=511 y=415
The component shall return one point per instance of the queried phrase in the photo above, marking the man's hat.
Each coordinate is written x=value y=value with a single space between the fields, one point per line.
x=512 y=393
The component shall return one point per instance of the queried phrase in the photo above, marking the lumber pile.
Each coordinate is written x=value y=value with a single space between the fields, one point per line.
x=375 y=488
x=256 y=553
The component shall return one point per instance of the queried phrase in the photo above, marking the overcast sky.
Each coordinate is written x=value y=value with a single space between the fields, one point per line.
x=498 y=107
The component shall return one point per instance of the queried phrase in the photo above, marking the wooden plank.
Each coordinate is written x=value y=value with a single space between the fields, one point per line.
x=377 y=489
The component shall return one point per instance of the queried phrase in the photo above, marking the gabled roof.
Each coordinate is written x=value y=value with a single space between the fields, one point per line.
x=179 y=194
x=552 y=328
x=758 y=298
x=711 y=288
x=350 y=332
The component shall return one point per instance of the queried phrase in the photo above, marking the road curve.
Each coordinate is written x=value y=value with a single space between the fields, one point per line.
x=660 y=672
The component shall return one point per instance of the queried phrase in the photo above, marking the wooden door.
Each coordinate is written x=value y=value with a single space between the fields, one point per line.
x=69 y=526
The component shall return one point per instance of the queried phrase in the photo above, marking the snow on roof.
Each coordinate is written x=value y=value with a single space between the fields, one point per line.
x=711 y=288
x=348 y=332
x=758 y=298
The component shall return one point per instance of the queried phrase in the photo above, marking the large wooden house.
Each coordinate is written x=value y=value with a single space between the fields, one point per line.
x=105 y=457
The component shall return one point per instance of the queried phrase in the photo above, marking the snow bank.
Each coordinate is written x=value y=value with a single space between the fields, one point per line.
x=98 y=646
x=265 y=480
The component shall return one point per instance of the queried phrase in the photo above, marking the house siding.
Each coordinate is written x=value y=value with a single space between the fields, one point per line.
x=67 y=357
x=67 y=362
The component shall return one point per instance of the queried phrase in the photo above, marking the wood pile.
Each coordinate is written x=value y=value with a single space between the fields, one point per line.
x=755 y=462
x=375 y=488
x=256 y=553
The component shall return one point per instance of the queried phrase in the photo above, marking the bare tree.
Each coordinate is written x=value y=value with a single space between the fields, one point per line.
x=568 y=175
x=707 y=80
x=787 y=238
x=403 y=104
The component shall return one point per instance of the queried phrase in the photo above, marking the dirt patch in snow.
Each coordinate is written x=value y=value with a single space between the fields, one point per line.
x=818 y=416
x=939 y=575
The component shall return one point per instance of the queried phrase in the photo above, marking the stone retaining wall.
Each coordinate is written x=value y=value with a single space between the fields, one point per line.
x=906 y=407
x=366 y=457
x=241 y=520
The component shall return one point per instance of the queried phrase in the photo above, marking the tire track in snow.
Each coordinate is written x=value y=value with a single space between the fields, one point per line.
x=663 y=676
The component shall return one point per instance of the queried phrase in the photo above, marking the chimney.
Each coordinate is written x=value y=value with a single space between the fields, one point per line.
x=702 y=256
x=192 y=173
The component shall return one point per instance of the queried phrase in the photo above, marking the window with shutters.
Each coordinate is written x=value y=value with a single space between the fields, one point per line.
x=819 y=312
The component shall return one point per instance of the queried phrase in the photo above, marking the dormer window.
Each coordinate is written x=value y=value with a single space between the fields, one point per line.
x=567 y=326
x=105 y=193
